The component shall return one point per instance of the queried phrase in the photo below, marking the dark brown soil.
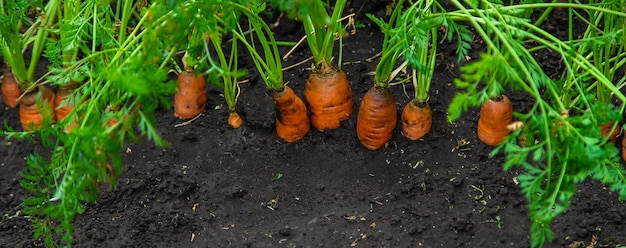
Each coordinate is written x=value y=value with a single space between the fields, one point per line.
x=215 y=186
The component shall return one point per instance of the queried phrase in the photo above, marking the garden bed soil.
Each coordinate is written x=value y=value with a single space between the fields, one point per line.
x=215 y=186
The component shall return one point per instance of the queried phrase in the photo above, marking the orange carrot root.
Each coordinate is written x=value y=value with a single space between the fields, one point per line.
x=234 y=119
x=329 y=98
x=11 y=91
x=377 y=118
x=417 y=120
x=32 y=114
x=293 y=122
x=190 y=99
x=64 y=92
x=495 y=116
x=606 y=128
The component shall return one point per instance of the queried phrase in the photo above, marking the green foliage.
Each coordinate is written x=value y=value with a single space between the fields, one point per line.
x=122 y=54
x=262 y=48
x=603 y=44
x=390 y=52
x=121 y=57
x=189 y=24
x=38 y=180
x=464 y=36
x=227 y=71
x=499 y=221
x=12 y=14
x=321 y=29
x=480 y=81
x=316 y=9
x=555 y=150
x=124 y=83
x=557 y=154
x=421 y=52
x=413 y=32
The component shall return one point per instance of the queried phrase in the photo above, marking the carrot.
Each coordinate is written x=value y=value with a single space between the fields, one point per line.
x=234 y=119
x=329 y=97
x=63 y=106
x=327 y=90
x=63 y=93
x=33 y=114
x=11 y=91
x=377 y=117
x=293 y=123
x=606 y=128
x=190 y=99
x=495 y=115
x=417 y=119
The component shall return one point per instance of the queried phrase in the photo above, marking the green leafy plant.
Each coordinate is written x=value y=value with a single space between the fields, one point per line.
x=229 y=74
x=37 y=101
x=14 y=14
x=127 y=81
x=358 y=24
x=89 y=154
x=556 y=146
x=499 y=221
x=292 y=124
x=603 y=44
